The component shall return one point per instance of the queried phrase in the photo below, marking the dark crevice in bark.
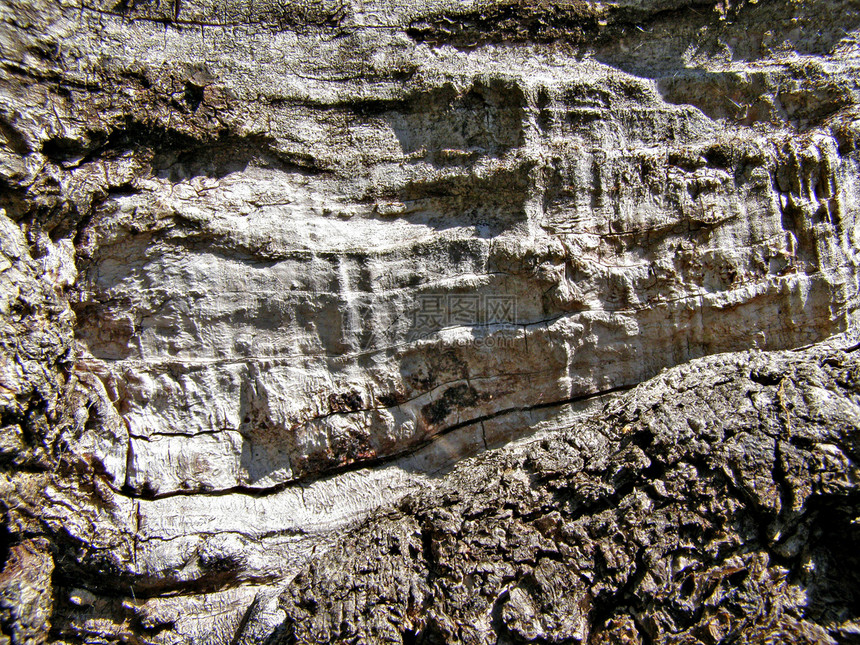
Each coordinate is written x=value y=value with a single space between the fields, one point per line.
x=371 y=462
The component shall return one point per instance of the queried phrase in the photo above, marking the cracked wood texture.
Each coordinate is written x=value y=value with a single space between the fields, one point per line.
x=716 y=503
x=266 y=267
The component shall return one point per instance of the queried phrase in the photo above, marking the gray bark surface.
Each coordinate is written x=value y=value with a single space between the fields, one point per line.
x=715 y=503
x=268 y=268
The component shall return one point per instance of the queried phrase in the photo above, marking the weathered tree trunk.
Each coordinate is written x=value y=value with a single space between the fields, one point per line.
x=269 y=270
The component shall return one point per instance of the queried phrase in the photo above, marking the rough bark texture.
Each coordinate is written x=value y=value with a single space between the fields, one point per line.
x=266 y=267
x=716 y=503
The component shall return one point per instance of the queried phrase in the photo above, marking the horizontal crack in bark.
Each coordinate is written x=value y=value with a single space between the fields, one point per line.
x=373 y=462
